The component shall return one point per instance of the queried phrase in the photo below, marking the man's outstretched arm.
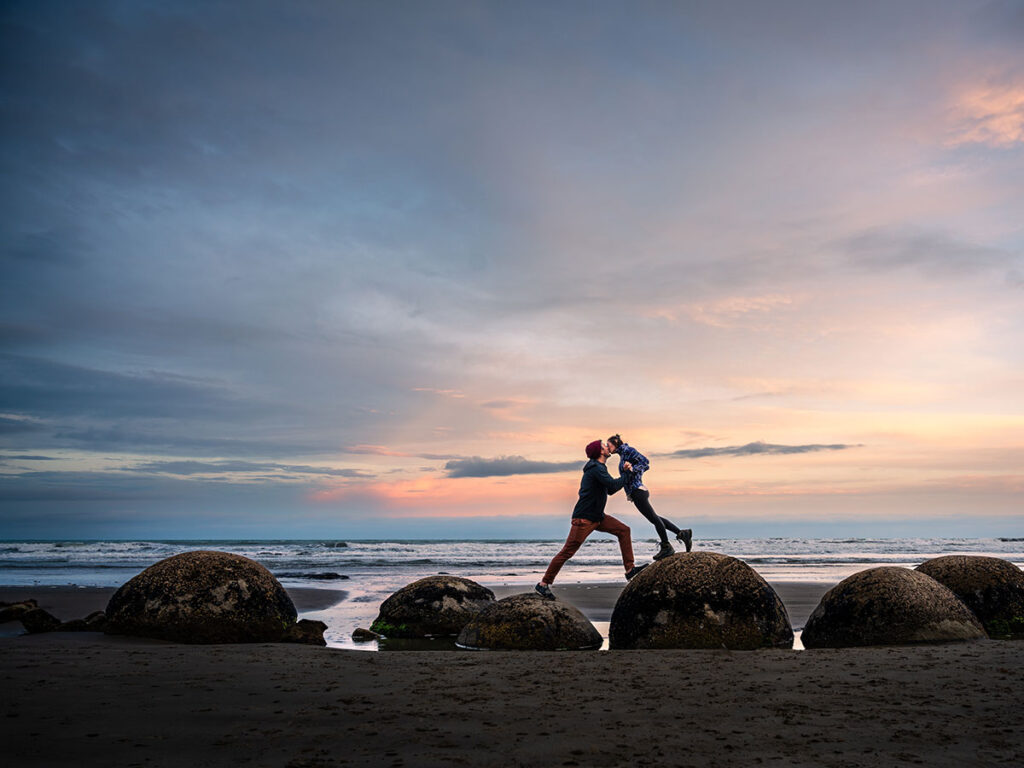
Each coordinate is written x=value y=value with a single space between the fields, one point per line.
x=610 y=484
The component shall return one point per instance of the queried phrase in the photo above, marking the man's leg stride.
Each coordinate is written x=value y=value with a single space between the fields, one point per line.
x=620 y=530
x=578 y=533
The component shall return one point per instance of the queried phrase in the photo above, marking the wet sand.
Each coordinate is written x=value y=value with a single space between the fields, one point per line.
x=89 y=700
x=68 y=603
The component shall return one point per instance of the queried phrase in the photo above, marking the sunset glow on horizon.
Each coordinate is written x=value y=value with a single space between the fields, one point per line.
x=381 y=270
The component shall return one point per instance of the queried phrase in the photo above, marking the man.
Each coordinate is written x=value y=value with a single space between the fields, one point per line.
x=588 y=516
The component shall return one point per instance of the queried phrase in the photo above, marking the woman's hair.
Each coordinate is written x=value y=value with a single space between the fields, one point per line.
x=615 y=440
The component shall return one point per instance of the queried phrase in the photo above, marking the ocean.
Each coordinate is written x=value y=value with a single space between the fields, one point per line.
x=369 y=571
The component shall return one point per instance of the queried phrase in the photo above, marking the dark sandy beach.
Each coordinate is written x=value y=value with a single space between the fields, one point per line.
x=87 y=700
x=90 y=700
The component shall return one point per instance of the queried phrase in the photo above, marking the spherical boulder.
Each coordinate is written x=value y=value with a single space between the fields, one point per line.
x=992 y=588
x=529 y=622
x=431 y=607
x=203 y=597
x=889 y=606
x=699 y=600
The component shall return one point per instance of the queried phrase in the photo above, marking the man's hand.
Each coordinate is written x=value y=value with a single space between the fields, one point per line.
x=627 y=466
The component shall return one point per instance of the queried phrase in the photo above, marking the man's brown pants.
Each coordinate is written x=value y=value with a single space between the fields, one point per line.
x=578 y=534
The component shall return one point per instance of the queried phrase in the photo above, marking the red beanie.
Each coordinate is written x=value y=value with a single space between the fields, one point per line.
x=593 y=449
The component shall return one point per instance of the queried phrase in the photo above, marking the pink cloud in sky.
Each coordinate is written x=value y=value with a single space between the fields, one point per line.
x=989 y=114
x=375 y=450
x=441 y=392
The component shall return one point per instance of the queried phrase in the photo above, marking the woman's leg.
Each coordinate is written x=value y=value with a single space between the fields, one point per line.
x=642 y=501
x=683 y=535
x=672 y=527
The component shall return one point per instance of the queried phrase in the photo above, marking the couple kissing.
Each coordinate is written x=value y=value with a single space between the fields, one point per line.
x=588 y=515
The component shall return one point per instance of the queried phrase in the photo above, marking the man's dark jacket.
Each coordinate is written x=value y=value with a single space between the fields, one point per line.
x=594 y=490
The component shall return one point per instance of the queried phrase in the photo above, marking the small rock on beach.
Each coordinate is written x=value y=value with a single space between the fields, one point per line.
x=435 y=606
x=529 y=622
x=37 y=620
x=14 y=611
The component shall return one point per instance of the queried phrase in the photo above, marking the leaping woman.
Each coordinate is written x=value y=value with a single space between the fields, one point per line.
x=637 y=493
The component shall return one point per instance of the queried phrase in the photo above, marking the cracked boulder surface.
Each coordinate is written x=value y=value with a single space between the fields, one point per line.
x=437 y=606
x=203 y=597
x=991 y=587
x=529 y=622
x=889 y=606
x=699 y=600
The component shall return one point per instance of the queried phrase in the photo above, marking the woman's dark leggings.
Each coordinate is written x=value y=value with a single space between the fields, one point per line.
x=642 y=500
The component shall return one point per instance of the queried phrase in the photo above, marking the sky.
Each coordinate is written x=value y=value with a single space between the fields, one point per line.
x=383 y=269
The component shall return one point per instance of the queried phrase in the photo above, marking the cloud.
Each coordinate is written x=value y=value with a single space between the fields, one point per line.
x=173 y=440
x=127 y=487
x=498 y=405
x=991 y=115
x=441 y=392
x=383 y=450
x=506 y=465
x=78 y=486
x=45 y=387
x=235 y=466
x=731 y=311
x=54 y=404
x=934 y=252
x=18 y=426
x=753 y=449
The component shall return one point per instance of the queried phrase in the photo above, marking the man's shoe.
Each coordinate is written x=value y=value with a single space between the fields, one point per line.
x=686 y=536
x=635 y=570
x=544 y=591
x=665 y=551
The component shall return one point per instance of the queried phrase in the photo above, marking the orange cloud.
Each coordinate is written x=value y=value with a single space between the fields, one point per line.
x=375 y=450
x=455 y=393
x=728 y=312
x=990 y=115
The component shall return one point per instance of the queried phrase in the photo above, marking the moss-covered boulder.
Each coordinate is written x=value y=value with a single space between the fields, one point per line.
x=529 y=622
x=699 y=600
x=992 y=588
x=432 y=607
x=203 y=597
x=889 y=606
